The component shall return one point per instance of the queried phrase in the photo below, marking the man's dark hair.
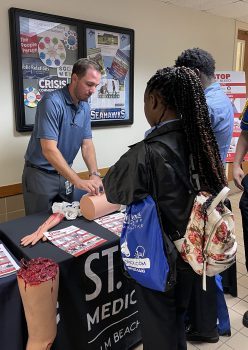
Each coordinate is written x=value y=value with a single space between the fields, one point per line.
x=180 y=88
x=197 y=58
x=82 y=65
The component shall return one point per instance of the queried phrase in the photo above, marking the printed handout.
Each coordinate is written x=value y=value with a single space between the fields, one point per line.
x=74 y=240
x=8 y=265
x=113 y=222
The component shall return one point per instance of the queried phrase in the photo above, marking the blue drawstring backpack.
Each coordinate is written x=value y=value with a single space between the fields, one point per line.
x=142 y=245
x=148 y=255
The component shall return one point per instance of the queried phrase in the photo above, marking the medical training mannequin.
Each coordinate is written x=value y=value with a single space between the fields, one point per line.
x=93 y=207
x=34 y=237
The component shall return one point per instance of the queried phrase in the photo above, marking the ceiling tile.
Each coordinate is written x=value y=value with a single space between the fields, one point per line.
x=243 y=18
x=234 y=10
x=202 y=4
x=212 y=4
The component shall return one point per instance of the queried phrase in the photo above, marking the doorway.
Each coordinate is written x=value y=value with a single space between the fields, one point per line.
x=240 y=64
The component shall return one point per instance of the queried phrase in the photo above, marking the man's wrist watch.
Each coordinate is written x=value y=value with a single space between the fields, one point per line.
x=96 y=173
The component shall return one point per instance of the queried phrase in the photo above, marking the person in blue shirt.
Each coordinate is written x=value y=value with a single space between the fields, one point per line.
x=241 y=181
x=203 y=310
x=62 y=126
x=219 y=105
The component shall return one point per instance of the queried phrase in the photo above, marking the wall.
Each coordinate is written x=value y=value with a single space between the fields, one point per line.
x=243 y=35
x=161 y=33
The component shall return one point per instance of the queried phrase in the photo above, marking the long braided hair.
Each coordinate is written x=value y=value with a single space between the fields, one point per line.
x=181 y=89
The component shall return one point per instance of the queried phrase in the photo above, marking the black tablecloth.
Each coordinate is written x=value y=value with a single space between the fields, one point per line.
x=97 y=307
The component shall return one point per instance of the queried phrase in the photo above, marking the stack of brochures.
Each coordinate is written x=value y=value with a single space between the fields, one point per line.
x=74 y=240
x=8 y=265
x=113 y=222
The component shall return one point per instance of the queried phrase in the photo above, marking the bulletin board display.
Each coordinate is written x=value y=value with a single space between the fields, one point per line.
x=44 y=48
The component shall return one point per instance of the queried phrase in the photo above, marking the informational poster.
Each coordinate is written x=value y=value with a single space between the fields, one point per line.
x=113 y=52
x=233 y=84
x=48 y=52
x=44 y=48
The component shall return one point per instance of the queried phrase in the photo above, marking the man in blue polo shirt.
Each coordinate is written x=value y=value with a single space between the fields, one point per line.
x=62 y=126
x=203 y=309
x=241 y=181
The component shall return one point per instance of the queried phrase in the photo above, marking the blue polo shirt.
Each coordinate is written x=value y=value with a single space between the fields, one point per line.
x=221 y=115
x=244 y=118
x=57 y=118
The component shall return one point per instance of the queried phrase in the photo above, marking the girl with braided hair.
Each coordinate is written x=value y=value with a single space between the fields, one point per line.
x=175 y=108
x=178 y=86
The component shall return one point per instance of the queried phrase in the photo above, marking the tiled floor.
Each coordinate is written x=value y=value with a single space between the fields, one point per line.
x=237 y=306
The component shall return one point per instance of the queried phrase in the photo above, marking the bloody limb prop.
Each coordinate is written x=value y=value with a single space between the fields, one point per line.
x=38 y=281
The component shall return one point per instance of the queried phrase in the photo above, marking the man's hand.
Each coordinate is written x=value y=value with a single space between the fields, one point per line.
x=93 y=186
x=98 y=181
x=238 y=175
x=241 y=150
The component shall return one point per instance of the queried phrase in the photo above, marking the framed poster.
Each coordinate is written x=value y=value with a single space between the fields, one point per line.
x=113 y=49
x=44 y=48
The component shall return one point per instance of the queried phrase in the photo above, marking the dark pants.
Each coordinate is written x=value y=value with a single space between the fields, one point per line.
x=41 y=190
x=202 y=311
x=243 y=205
x=162 y=315
x=229 y=276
